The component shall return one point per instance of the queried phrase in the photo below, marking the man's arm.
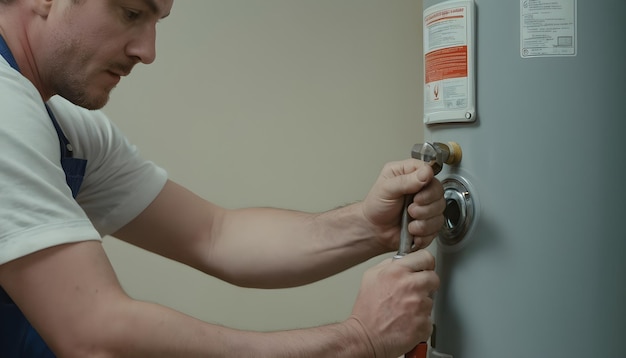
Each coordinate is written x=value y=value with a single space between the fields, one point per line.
x=255 y=247
x=269 y=248
x=71 y=296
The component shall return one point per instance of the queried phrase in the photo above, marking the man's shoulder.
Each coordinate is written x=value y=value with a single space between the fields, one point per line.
x=15 y=89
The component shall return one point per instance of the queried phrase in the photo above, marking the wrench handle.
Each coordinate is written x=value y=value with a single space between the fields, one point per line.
x=406 y=246
x=406 y=239
x=420 y=351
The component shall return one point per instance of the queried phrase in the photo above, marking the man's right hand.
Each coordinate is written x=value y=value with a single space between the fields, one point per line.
x=394 y=303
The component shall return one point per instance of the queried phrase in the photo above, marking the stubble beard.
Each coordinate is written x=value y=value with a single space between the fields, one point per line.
x=74 y=88
x=69 y=78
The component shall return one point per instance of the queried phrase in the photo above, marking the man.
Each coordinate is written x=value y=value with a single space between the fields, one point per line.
x=68 y=177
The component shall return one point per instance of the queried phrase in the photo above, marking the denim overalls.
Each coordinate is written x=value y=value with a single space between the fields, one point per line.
x=18 y=339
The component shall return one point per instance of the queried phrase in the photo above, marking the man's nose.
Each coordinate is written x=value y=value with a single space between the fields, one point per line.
x=143 y=46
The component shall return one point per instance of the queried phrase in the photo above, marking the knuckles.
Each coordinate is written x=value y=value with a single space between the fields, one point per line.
x=431 y=193
x=426 y=228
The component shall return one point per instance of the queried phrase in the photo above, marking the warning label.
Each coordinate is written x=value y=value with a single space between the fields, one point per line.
x=446 y=59
x=446 y=63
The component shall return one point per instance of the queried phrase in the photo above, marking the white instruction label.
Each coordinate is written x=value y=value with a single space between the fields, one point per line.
x=548 y=28
x=448 y=62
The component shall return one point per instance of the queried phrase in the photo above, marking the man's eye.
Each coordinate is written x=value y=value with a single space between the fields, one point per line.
x=131 y=15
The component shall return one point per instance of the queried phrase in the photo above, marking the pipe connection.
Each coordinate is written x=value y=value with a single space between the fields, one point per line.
x=437 y=154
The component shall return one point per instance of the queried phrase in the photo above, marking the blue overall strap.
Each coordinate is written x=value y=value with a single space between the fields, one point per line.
x=74 y=168
x=18 y=338
x=6 y=53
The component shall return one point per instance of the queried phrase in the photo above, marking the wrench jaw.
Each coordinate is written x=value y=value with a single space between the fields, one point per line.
x=437 y=154
x=429 y=153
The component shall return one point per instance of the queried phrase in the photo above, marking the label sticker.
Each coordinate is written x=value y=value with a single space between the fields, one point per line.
x=548 y=28
x=448 y=72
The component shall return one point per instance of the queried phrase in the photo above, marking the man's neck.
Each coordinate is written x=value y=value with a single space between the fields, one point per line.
x=12 y=30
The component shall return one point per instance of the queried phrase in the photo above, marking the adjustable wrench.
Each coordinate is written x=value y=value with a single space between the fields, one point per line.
x=436 y=155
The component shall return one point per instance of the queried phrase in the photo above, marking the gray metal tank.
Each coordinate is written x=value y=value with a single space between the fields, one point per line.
x=539 y=270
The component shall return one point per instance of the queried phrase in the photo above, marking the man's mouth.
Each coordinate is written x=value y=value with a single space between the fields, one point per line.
x=115 y=76
x=121 y=70
x=119 y=73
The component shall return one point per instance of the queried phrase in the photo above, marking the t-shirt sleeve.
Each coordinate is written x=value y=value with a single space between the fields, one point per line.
x=37 y=210
x=119 y=184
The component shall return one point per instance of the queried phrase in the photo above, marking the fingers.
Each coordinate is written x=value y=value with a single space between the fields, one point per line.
x=420 y=260
x=395 y=302
x=426 y=228
x=423 y=279
x=406 y=177
x=427 y=211
x=384 y=203
x=422 y=242
x=431 y=193
x=422 y=282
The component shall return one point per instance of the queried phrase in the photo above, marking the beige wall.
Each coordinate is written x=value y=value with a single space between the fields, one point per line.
x=282 y=103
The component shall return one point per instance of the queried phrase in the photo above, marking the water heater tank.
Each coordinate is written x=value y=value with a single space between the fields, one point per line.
x=532 y=258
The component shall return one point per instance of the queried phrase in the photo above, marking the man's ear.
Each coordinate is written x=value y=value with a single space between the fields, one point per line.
x=42 y=7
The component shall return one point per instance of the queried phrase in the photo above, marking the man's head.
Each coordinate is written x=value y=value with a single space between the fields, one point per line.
x=81 y=48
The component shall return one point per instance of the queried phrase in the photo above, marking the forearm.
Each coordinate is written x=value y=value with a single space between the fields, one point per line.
x=143 y=329
x=265 y=247
x=70 y=294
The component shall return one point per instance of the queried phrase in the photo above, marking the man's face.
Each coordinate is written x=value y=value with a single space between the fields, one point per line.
x=93 y=43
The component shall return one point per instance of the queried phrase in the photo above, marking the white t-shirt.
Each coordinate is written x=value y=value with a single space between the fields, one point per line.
x=37 y=210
